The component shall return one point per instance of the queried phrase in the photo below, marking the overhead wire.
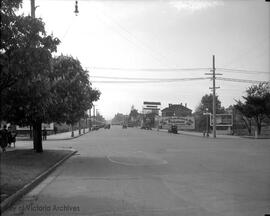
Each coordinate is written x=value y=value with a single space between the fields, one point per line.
x=149 y=69
x=149 y=81
x=239 y=80
x=231 y=70
x=157 y=56
x=163 y=80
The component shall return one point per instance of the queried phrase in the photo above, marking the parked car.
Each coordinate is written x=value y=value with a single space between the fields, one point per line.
x=146 y=127
x=173 y=129
x=95 y=127
x=107 y=126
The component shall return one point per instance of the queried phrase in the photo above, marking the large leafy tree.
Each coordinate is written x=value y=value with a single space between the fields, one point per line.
x=206 y=105
x=256 y=104
x=25 y=69
x=72 y=91
x=18 y=33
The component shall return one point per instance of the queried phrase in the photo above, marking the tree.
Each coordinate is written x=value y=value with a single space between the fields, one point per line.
x=25 y=69
x=99 y=119
x=256 y=104
x=71 y=90
x=134 y=116
x=206 y=105
x=18 y=33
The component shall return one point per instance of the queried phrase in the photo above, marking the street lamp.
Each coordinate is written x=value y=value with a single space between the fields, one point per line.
x=76 y=8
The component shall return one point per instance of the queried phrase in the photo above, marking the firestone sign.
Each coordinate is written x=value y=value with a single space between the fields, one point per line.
x=182 y=123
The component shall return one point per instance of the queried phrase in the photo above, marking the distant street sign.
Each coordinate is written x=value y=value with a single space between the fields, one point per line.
x=151 y=103
x=27 y=128
x=222 y=120
x=151 y=108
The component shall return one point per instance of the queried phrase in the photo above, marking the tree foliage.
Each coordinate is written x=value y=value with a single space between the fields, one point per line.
x=256 y=104
x=206 y=105
x=18 y=33
x=134 y=117
x=35 y=88
x=72 y=91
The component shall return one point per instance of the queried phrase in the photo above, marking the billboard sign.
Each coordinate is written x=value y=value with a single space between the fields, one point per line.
x=182 y=123
x=222 y=120
x=151 y=107
x=27 y=128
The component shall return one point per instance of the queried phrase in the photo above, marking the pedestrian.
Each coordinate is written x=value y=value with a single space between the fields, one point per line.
x=9 y=137
x=13 y=135
x=44 y=133
x=55 y=129
x=4 y=138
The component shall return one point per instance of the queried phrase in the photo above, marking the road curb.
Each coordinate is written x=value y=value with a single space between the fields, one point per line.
x=20 y=193
x=201 y=135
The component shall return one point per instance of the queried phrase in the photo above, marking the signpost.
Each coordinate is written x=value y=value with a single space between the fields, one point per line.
x=182 y=123
x=222 y=120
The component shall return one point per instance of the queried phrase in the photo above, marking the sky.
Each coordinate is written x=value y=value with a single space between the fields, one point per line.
x=158 y=39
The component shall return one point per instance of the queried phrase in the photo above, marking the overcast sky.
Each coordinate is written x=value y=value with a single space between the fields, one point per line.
x=157 y=34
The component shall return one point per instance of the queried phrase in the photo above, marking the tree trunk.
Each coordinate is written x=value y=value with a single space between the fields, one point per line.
x=248 y=124
x=80 y=127
x=72 y=131
x=259 y=126
x=37 y=135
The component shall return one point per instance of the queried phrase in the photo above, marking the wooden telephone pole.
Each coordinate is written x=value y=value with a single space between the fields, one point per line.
x=214 y=95
x=33 y=9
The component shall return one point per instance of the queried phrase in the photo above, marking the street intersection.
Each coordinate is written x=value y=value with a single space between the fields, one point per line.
x=135 y=172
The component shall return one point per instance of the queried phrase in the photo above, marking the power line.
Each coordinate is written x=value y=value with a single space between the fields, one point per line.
x=125 y=36
x=149 y=69
x=162 y=80
x=156 y=55
x=239 y=80
x=230 y=70
x=127 y=78
x=149 y=81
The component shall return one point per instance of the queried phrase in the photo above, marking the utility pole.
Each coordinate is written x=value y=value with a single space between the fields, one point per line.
x=33 y=9
x=214 y=95
x=214 y=98
x=90 y=120
x=94 y=115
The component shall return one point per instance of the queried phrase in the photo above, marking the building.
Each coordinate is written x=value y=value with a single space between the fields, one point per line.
x=176 y=110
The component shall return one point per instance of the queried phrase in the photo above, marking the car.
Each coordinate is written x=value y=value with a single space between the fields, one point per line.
x=107 y=126
x=146 y=127
x=173 y=129
x=95 y=127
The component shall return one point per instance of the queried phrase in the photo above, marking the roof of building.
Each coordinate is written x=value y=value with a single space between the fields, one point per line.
x=174 y=107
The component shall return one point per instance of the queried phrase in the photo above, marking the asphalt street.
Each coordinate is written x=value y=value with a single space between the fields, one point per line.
x=133 y=172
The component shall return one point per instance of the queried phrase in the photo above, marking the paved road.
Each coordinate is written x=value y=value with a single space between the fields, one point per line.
x=134 y=172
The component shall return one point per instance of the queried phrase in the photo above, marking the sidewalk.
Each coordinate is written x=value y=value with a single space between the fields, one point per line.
x=58 y=136
x=26 y=142
x=66 y=135
x=194 y=133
